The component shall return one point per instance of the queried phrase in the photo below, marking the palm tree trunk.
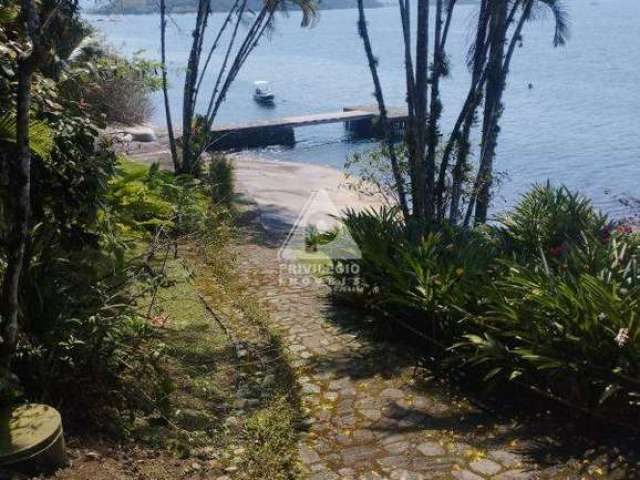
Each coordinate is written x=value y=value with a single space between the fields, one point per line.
x=493 y=107
x=256 y=31
x=214 y=45
x=18 y=199
x=405 y=18
x=477 y=82
x=492 y=116
x=384 y=123
x=190 y=82
x=418 y=187
x=213 y=99
x=432 y=139
x=410 y=127
x=464 y=146
x=165 y=87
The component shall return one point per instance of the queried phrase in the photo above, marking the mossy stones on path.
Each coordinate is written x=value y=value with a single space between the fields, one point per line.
x=31 y=439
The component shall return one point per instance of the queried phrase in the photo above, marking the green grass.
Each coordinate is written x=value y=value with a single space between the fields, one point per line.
x=202 y=417
x=269 y=431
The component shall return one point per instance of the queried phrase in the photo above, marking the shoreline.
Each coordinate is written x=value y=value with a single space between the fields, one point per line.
x=292 y=175
x=279 y=188
x=283 y=190
x=107 y=11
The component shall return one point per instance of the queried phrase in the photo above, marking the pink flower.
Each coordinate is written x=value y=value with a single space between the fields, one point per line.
x=605 y=234
x=624 y=229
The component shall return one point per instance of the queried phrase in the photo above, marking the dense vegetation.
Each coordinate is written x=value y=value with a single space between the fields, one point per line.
x=93 y=254
x=546 y=299
x=93 y=247
x=81 y=227
x=87 y=332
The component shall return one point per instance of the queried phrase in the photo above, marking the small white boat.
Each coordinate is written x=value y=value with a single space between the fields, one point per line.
x=263 y=93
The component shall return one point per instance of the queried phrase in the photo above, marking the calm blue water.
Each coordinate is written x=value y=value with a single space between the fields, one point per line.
x=579 y=125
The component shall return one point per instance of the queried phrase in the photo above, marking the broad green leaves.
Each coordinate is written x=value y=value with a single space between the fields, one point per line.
x=41 y=136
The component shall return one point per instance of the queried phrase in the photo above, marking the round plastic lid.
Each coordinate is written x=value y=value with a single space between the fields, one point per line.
x=26 y=431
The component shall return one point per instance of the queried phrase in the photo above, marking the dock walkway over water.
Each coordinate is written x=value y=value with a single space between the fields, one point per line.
x=360 y=120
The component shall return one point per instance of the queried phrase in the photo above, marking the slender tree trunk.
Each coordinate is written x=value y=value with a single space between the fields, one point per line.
x=464 y=146
x=493 y=108
x=434 y=114
x=405 y=18
x=18 y=198
x=251 y=39
x=211 y=109
x=384 y=124
x=165 y=87
x=214 y=45
x=410 y=133
x=418 y=190
x=463 y=141
x=496 y=85
x=190 y=82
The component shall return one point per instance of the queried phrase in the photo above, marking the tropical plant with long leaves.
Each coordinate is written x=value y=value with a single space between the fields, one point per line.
x=573 y=333
x=552 y=220
x=42 y=142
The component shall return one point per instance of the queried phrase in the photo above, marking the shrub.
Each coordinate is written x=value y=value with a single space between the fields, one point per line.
x=549 y=299
x=68 y=189
x=551 y=220
x=81 y=337
x=220 y=179
x=429 y=283
x=142 y=199
x=82 y=327
x=108 y=86
x=94 y=362
x=575 y=335
x=370 y=173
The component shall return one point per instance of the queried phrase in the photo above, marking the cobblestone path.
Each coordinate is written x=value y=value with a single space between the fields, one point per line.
x=369 y=416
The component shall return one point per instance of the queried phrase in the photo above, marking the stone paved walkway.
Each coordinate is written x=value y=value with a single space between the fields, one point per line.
x=368 y=415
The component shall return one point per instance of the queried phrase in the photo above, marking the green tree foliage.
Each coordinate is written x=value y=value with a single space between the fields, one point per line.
x=221 y=179
x=42 y=143
x=82 y=323
x=80 y=336
x=110 y=88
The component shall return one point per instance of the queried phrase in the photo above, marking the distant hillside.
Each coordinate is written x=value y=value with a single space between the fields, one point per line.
x=189 y=6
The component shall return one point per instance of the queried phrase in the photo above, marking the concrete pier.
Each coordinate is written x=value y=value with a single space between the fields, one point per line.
x=362 y=121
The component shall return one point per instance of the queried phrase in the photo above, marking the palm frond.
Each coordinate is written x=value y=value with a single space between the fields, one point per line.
x=87 y=46
x=8 y=13
x=309 y=9
x=561 y=18
x=41 y=136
